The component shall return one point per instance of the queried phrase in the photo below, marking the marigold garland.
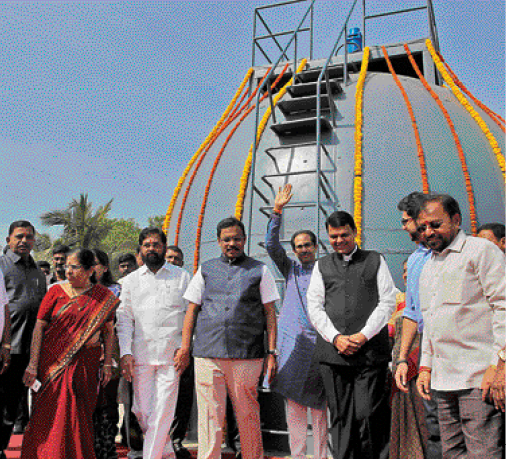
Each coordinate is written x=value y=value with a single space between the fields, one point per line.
x=179 y=185
x=458 y=94
x=217 y=160
x=467 y=177
x=239 y=207
x=499 y=120
x=421 y=156
x=232 y=116
x=359 y=121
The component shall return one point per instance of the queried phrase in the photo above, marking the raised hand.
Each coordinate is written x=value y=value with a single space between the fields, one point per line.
x=283 y=197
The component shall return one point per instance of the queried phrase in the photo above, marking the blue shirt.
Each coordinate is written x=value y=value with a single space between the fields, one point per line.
x=416 y=262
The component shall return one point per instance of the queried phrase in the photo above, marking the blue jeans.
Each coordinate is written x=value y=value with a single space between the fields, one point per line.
x=470 y=427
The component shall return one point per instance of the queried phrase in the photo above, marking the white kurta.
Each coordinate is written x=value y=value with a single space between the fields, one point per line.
x=149 y=325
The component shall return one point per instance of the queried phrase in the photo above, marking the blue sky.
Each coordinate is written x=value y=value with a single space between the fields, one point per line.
x=113 y=98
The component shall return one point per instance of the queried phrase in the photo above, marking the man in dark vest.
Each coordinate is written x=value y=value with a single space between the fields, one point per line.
x=231 y=310
x=351 y=297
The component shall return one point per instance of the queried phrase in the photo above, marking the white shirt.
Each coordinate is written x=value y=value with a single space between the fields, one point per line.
x=462 y=298
x=151 y=314
x=268 y=289
x=4 y=300
x=377 y=320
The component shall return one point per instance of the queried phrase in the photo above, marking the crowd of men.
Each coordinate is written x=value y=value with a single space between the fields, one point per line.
x=216 y=333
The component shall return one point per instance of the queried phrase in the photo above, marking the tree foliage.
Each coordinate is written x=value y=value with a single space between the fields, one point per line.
x=123 y=236
x=82 y=225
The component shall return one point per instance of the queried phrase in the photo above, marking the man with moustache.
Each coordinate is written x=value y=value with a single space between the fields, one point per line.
x=412 y=322
x=26 y=286
x=127 y=263
x=462 y=297
x=59 y=258
x=149 y=325
x=298 y=377
x=231 y=309
x=351 y=297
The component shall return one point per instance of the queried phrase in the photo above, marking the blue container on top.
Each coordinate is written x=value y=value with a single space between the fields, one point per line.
x=354 y=40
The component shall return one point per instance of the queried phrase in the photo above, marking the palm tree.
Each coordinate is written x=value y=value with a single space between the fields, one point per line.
x=82 y=225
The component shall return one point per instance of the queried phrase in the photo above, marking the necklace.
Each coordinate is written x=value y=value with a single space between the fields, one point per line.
x=80 y=290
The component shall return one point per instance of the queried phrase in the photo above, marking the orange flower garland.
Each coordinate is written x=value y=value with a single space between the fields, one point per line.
x=359 y=121
x=233 y=115
x=216 y=162
x=421 y=156
x=179 y=185
x=239 y=207
x=499 y=120
x=458 y=94
x=467 y=177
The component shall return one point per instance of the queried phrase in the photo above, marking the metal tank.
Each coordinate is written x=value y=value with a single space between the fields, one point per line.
x=391 y=167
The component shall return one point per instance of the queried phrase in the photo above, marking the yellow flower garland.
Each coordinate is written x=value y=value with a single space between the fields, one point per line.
x=194 y=158
x=357 y=182
x=239 y=206
x=458 y=94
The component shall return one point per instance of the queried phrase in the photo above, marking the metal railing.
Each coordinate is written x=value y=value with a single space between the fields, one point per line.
x=257 y=104
x=430 y=17
x=273 y=36
x=324 y=72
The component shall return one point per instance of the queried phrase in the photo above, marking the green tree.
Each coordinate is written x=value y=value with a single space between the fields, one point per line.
x=156 y=221
x=82 y=225
x=123 y=236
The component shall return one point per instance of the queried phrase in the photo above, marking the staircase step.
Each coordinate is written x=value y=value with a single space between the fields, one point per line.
x=312 y=75
x=309 y=89
x=302 y=104
x=302 y=126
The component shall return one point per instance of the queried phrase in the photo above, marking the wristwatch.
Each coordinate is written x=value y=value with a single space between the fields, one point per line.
x=273 y=352
x=502 y=354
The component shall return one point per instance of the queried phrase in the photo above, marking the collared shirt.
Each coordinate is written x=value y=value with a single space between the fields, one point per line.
x=25 y=284
x=268 y=290
x=151 y=314
x=4 y=300
x=462 y=297
x=376 y=321
x=416 y=262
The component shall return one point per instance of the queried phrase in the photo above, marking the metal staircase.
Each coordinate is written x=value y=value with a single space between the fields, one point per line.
x=309 y=122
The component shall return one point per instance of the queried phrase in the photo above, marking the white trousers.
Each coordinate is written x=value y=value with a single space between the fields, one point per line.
x=155 y=397
x=296 y=417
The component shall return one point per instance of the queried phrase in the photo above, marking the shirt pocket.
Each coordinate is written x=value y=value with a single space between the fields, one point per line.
x=451 y=286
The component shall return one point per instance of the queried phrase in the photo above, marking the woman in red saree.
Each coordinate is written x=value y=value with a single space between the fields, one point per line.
x=65 y=358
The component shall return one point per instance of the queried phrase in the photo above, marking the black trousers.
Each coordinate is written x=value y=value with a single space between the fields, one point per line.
x=357 y=398
x=11 y=392
x=184 y=405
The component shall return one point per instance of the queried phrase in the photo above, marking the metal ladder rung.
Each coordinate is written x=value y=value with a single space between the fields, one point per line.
x=264 y=198
x=296 y=145
x=391 y=13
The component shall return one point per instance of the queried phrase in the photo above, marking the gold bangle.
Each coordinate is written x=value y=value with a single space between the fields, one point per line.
x=7 y=346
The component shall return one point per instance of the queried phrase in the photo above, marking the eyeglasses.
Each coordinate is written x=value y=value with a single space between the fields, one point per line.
x=433 y=225
x=234 y=239
x=307 y=245
x=73 y=267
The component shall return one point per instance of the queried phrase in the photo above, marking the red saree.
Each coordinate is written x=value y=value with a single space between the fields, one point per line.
x=61 y=423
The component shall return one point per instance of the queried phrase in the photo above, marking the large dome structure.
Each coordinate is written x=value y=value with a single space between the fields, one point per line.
x=383 y=135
